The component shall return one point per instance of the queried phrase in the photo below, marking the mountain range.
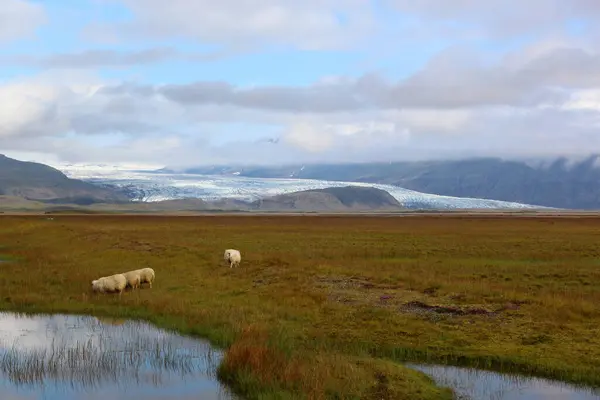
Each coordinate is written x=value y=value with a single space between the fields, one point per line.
x=151 y=187
x=34 y=185
x=558 y=183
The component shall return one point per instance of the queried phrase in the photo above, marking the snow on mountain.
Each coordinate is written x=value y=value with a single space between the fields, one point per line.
x=84 y=171
x=145 y=185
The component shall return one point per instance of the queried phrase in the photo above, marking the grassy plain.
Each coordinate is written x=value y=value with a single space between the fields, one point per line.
x=328 y=306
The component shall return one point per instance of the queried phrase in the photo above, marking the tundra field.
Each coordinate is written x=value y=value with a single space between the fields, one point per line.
x=330 y=306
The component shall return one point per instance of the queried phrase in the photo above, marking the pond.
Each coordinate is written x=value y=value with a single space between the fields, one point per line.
x=71 y=357
x=469 y=383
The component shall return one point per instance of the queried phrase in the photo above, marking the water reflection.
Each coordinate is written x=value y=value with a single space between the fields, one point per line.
x=81 y=357
x=476 y=384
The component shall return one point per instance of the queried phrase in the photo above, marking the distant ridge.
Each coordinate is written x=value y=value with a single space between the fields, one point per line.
x=35 y=181
x=338 y=199
x=40 y=186
x=558 y=182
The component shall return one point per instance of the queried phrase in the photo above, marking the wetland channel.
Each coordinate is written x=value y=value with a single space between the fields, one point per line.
x=71 y=357
x=470 y=383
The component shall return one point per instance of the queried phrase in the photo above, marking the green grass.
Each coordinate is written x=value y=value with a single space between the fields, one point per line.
x=317 y=308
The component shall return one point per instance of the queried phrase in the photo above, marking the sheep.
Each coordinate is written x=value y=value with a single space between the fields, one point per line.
x=134 y=278
x=146 y=275
x=113 y=283
x=233 y=257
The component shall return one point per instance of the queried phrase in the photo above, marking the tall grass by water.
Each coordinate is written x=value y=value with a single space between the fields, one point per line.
x=91 y=366
x=120 y=355
x=327 y=307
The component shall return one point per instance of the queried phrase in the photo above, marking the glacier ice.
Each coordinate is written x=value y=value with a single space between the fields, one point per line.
x=148 y=186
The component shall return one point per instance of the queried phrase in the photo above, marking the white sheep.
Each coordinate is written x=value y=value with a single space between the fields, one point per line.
x=233 y=257
x=107 y=284
x=146 y=275
x=134 y=278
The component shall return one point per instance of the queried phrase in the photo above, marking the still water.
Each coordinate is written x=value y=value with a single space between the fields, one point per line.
x=476 y=384
x=81 y=357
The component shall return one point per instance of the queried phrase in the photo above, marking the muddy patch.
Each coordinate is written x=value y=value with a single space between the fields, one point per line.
x=139 y=246
x=418 y=307
x=355 y=291
x=422 y=308
x=361 y=291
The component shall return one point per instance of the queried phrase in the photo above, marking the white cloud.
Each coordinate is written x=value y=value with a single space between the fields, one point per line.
x=37 y=114
x=541 y=97
x=20 y=19
x=471 y=19
x=307 y=137
x=311 y=24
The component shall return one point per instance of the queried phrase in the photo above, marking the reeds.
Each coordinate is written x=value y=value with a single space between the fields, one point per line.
x=110 y=355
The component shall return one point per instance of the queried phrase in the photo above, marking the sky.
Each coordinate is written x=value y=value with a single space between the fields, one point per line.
x=199 y=82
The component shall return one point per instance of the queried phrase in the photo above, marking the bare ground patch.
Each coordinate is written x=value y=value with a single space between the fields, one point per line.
x=356 y=291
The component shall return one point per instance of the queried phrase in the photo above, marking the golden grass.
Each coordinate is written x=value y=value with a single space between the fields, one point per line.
x=325 y=307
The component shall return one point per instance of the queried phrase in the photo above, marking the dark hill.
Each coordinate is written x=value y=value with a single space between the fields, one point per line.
x=348 y=198
x=34 y=181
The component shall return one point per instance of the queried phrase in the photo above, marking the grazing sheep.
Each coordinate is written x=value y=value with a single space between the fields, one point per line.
x=233 y=257
x=146 y=275
x=134 y=278
x=107 y=284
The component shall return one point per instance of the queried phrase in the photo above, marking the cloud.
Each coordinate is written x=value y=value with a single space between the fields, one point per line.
x=43 y=106
x=150 y=129
x=348 y=139
x=310 y=25
x=448 y=81
x=92 y=59
x=469 y=19
x=539 y=100
x=494 y=88
x=20 y=19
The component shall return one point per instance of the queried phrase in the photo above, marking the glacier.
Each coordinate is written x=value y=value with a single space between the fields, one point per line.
x=148 y=186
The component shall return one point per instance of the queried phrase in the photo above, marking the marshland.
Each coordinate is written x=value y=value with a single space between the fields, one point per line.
x=71 y=356
x=320 y=306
